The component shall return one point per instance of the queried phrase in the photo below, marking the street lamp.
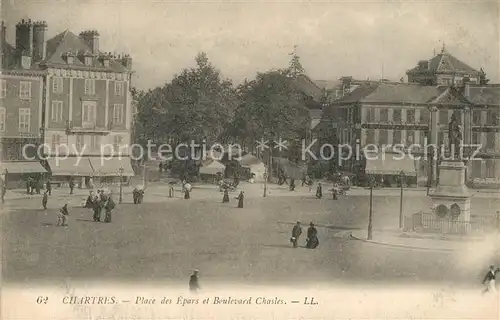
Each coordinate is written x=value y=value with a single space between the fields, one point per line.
x=370 y=217
x=401 y=177
x=265 y=181
x=121 y=184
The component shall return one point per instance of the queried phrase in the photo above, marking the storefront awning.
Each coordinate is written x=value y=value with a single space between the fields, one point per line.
x=390 y=164
x=71 y=166
x=111 y=167
x=22 y=167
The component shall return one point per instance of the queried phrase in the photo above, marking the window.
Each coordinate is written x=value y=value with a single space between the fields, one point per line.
x=119 y=88
x=476 y=117
x=3 y=88
x=422 y=136
x=410 y=116
x=490 y=168
x=89 y=87
x=490 y=140
x=396 y=137
x=443 y=116
x=57 y=111
x=117 y=142
x=79 y=142
x=410 y=137
x=57 y=85
x=383 y=137
x=24 y=119
x=396 y=116
x=2 y=119
x=25 y=90
x=384 y=115
x=424 y=116
x=88 y=61
x=56 y=140
x=492 y=118
x=95 y=142
x=88 y=114
x=118 y=114
x=370 y=136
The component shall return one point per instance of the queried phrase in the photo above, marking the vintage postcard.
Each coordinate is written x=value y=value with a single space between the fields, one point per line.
x=208 y=160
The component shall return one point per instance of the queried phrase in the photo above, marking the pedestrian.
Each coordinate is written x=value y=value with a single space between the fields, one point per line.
x=225 y=198
x=319 y=191
x=96 y=205
x=48 y=187
x=71 y=186
x=312 y=241
x=240 y=199
x=194 y=285
x=296 y=232
x=4 y=191
x=304 y=180
x=292 y=184
x=89 y=202
x=160 y=167
x=44 y=200
x=109 y=206
x=37 y=186
x=334 y=193
x=186 y=193
x=63 y=216
x=489 y=280
x=171 y=192
x=310 y=183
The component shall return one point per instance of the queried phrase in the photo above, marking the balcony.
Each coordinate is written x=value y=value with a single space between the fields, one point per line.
x=87 y=128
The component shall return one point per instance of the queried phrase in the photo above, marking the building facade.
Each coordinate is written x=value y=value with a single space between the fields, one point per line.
x=84 y=111
x=412 y=114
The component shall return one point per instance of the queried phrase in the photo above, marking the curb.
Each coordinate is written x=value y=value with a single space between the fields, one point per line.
x=400 y=245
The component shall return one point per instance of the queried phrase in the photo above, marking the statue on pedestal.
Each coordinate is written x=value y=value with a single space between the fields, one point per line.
x=454 y=136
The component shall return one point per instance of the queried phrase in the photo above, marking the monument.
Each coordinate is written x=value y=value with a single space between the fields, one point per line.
x=451 y=199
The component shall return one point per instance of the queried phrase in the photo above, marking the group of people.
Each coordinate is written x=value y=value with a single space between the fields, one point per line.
x=99 y=202
x=312 y=240
x=240 y=197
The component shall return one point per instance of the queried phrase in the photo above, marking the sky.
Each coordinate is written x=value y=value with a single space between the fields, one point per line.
x=369 y=39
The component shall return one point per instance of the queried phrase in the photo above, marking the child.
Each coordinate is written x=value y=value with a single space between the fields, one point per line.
x=63 y=216
x=44 y=200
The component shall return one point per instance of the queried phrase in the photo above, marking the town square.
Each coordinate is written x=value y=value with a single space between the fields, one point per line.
x=209 y=145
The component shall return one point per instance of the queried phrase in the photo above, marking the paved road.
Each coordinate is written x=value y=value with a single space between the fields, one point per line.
x=166 y=240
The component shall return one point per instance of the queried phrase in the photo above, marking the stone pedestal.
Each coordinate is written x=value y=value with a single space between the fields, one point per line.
x=451 y=200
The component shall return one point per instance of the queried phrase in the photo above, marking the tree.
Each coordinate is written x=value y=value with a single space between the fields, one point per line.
x=295 y=68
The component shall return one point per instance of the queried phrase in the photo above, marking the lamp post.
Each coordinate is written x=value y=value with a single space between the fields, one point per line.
x=370 y=217
x=401 y=177
x=265 y=181
x=121 y=185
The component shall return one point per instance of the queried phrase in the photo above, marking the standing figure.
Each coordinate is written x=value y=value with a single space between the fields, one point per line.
x=335 y=192
x=160 y=167
x=171 y=192
x=304 y=180
x=63 y=216
x=186 y=193
x=240 y=199
x=109 y=206
x=90 y=200
x=4 y=191
x=44 y=200
x=38 y=186
x=71 y=186
x=194 y=286
x=310 y=182
x=319 y=191
x=292 y=184
x=454 y=135
x=225 y=198
x=312 y=240
x=296 y=232
x=489 y=280
x=48 y=187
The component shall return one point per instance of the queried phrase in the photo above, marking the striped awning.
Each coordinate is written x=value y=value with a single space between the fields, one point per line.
x=71 y=166
x=111 y=167
x=390 y=164
x=22 y=167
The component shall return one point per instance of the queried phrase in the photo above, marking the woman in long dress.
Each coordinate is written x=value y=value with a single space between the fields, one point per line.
x=240 y=200
x=225 y=198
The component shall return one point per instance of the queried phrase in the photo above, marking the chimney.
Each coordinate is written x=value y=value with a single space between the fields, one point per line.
x=39 y=44
x=24 y=37
x=346 y=83
x=105 y=57
x=91 y=37
x=127 y=61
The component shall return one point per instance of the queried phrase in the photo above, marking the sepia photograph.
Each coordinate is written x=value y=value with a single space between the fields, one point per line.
x=249 y=159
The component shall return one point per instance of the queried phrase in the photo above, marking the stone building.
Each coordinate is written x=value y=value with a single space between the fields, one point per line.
x=86 y=113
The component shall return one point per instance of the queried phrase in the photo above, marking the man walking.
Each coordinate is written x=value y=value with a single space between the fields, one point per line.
x=296 y=232
x=44 y=200
x=71 y=186
x=489 y=280
x=194 y=286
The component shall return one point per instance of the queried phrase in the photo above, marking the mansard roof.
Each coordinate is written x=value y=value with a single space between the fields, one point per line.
x=68 y=42
x=445 y=63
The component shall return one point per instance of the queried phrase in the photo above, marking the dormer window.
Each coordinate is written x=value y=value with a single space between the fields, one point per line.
x=105 y=62
x=70 y=59
x=88 y=60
